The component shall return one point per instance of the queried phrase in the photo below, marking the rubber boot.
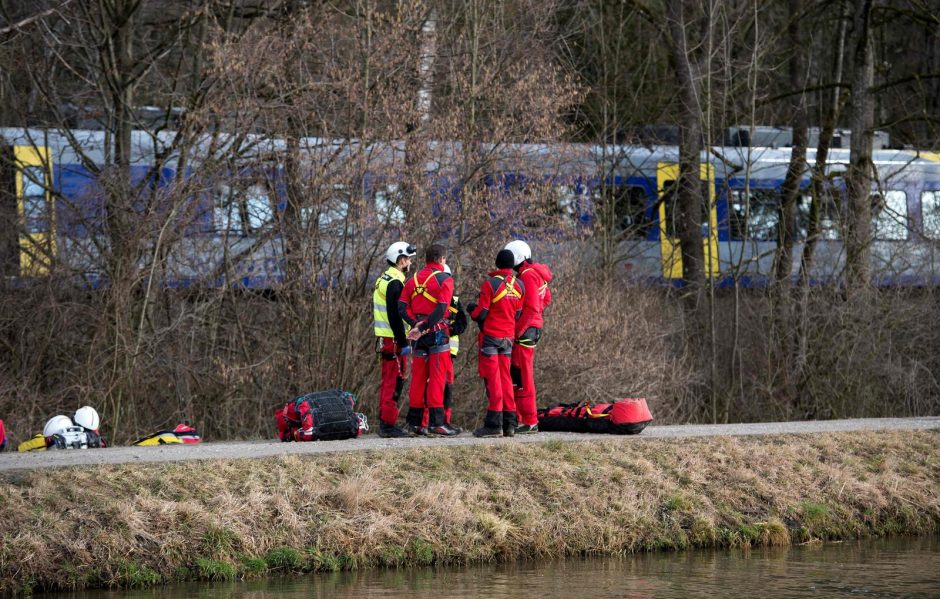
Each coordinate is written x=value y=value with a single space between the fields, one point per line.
x=509 y=424
x=492 y=425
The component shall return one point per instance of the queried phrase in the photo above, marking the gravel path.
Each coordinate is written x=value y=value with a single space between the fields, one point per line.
x=260 y=449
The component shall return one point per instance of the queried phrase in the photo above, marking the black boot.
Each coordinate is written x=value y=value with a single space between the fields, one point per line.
x=390 y=431
x=492 y=425
x=436 y=425
x=510 y=421
x=414 y=428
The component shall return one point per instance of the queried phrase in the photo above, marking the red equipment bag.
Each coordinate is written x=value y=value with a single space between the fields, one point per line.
x=321 y=416
x=622 y=417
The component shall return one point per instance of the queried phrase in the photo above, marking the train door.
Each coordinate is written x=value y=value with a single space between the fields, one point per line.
x=666 y=175
x=34 y=208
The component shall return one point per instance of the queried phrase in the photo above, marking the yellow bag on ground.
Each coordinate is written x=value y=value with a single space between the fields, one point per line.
x=36 y=443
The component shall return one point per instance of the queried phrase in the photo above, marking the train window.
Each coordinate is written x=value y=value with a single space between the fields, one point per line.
x=388 y=206
x=829 y=218
x=334 y=209
x=755 y=215
x=35 y=206
x=889 y=215
x=242 y=211
x=930 y=208
x=568 y=202
x=670 y=202
x=622 y=208
x=630 y=209
x=258 y=208
x=226 y=214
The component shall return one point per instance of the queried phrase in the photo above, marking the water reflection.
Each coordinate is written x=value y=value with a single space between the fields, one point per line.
x=877 y=568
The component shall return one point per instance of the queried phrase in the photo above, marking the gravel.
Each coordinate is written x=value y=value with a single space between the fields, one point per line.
x=262 y=449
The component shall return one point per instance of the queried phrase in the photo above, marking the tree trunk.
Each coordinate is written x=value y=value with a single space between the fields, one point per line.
x=791 y=183
x=859 y=176
x=689 y=189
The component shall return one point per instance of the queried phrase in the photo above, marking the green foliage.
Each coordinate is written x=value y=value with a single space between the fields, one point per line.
x=219 y=541
x=210 y=569
x=285 y=559
x=423 y=552
x=132 y=574
x=253 y=566
x=321 y=561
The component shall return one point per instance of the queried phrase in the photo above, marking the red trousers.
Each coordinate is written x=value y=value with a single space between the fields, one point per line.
x=429 y=373
x=494 y=368
x=448 y=399
x=394 y=371
x=523 y=359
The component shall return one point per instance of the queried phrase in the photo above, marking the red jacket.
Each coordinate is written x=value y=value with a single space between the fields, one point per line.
x=426 y=296
x=537 y=297
x=499 y=305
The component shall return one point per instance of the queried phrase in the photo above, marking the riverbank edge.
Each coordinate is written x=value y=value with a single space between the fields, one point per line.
x=145 y=525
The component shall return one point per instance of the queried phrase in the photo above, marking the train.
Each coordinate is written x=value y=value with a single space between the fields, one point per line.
x=53 y=194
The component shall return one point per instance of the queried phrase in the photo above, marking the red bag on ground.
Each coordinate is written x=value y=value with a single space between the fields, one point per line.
x=622 y=417
x=187 y=433
x=629 y=416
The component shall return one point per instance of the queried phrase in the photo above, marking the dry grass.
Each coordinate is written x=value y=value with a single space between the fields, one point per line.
x=139 y=525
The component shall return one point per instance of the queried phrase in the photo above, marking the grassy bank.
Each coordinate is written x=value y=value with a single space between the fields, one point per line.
x=143 y=525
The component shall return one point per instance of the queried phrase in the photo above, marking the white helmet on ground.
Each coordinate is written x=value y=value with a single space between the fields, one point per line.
x=398 y=249
x=56 y=425
x=520 y=251
x=87 y=417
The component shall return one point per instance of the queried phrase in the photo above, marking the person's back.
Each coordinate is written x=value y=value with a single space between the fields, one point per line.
x=500 y=303
x=535 y=277
x=499 y=306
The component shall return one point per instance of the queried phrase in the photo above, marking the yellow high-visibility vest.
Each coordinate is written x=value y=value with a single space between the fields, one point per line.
x=380 y=306
x=454 y=340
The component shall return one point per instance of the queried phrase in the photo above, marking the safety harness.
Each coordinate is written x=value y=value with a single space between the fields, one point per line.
x=422 y=288
x=508 y=288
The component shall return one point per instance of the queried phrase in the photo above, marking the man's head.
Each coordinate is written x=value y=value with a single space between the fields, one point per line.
x=505 y=259
x=400 y=254
x=436 y=253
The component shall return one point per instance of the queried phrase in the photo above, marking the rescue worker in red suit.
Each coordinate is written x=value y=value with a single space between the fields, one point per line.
x=535 y=277
x=499 y=307
x=423 y=305
x=390 y=335
x=456 y=325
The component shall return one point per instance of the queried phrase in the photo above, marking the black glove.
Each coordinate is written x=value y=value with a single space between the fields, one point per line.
x=471 y=308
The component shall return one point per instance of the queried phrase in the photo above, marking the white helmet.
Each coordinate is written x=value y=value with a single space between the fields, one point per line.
x=87 y=417
x=520 y=251
x=56 y=425
x=398 y=249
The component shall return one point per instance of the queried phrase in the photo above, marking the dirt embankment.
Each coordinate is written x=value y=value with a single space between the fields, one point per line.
x=143 y=524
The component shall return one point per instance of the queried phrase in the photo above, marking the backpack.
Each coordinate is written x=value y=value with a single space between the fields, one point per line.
x=321 y=416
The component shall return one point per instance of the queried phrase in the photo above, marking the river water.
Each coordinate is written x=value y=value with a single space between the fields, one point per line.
x=873 y=568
